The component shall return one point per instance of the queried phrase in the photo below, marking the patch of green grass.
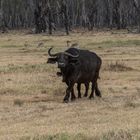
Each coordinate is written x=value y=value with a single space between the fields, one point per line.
x=62 y=136
x=130 y=104
x=118 y=66
x=121 y=135
x=7 y=91
x=18 y=102
x=27 y=68
x=111 y=135
x=117 y=43
x=10 y=46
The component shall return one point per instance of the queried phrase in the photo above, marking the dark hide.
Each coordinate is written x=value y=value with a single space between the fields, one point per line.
x=82 y=69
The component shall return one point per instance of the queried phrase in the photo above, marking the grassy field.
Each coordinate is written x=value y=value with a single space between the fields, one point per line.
x=31 y=94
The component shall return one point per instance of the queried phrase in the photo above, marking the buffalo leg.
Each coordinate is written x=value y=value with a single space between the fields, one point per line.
x=97 y=91
x=94 y=85
x=73 y=97
x=87 y=88
x=79 y=90
x=92 y=90
x=68 y=91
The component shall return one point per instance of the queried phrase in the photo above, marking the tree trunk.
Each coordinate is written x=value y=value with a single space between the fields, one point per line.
x=64 y=10
x=2 y=22
x=137 y=6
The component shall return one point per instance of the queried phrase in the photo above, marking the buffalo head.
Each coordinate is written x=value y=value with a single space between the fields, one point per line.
x=63 y=58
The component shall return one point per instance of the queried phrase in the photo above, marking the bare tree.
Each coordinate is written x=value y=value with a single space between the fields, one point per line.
x=64 y=12
x=137 y=6
x=58 y=14
x=2 y=23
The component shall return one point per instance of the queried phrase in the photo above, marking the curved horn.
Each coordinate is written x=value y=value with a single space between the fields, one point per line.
x=71 y=55
x=50 y=54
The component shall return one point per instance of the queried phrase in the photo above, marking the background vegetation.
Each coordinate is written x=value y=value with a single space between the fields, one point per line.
x=71 y=13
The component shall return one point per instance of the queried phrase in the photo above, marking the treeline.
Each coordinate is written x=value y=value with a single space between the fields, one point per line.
x=49 y=15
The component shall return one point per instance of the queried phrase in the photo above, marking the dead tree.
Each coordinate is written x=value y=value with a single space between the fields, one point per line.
x=92 y=15
x=117 y=14
x=75 y=13
x=50 y=21
x=40 y=23
x=2 y=21
x=64 y=11
x=137 y=6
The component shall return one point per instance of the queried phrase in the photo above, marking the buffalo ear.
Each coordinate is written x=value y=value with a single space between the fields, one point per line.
x=52 y=60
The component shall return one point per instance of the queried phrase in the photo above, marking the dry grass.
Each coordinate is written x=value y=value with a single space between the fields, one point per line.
x=18 y=102
x=31 y=94
x=117 y=67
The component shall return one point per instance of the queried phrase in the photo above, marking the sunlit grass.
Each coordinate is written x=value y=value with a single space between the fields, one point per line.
x=118 y=43
x=31 y=94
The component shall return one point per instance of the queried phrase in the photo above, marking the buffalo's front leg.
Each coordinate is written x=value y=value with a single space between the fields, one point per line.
x=73 y=97
x=68 y=91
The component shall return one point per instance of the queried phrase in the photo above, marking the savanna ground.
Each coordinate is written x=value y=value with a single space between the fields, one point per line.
x=31 y=94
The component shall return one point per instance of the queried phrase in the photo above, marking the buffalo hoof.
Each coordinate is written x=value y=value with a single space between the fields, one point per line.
x=98 y=94
x=91 y=97
x=85 y=95
x=73 y=98
x=65 y=100
x=79 y=97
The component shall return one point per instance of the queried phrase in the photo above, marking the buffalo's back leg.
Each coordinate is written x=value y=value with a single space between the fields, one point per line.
x=68 y=91
x=94 y=85
x=73 y=97
x=87 y=88
x=92 y=90
x=97 y=91
x=79 y=90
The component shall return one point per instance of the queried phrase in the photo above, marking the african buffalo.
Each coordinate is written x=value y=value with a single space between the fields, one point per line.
x=77 y=66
